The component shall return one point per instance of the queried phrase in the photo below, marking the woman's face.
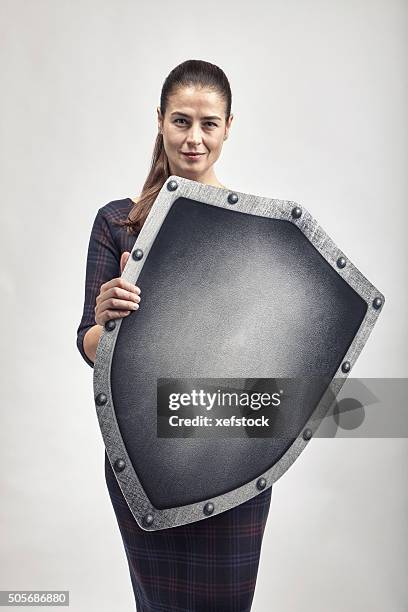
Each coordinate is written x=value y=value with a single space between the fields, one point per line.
x=194 y=122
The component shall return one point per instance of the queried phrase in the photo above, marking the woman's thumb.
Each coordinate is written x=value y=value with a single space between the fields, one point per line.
x=123 y=260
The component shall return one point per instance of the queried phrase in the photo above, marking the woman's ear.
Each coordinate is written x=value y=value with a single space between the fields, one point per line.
x=159 y=120
x=228 y=125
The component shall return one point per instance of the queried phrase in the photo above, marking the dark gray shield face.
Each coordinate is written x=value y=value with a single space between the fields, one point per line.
x=238 y=288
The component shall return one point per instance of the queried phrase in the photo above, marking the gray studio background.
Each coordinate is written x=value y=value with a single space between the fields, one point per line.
x=319 y=98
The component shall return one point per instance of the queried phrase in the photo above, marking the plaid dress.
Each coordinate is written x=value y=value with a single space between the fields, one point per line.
x=207 y=566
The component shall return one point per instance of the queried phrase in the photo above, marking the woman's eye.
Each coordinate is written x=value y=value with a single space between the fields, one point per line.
x=207 y=122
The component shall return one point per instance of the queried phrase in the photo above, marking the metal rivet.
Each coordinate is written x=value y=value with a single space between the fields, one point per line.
x=307 y=434
x=377 y=303
x=119 y=465
x=261 y=483
x=346 y=367
x=341 y=262
x=148 y=519
x=137 y=254
x=172 y=185
x=296 y=212
x=208 y=508
x=110 y=325
x=101 y=399
x=232 y=198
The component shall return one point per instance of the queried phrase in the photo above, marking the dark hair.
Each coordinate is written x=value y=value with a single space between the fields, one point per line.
x=190 y=73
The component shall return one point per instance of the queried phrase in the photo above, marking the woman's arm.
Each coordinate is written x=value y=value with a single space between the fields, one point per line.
x=103 y=264
x=91 y=341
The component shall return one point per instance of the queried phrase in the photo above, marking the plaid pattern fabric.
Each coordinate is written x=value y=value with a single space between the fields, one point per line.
x=207 y=566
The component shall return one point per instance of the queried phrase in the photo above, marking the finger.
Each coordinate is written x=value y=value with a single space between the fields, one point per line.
x=119 y=282
x=116 y=304
x=118 y=292
x=108 y=315
x=123 y=260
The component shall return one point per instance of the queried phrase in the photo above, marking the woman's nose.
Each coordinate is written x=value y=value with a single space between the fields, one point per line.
x=194 y=135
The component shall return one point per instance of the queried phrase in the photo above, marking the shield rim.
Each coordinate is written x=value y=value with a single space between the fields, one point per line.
x=147 y=516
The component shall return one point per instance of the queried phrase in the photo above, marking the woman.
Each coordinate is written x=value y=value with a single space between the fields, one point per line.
x=210 y=565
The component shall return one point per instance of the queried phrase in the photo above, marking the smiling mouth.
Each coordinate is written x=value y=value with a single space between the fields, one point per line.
x=193 y=156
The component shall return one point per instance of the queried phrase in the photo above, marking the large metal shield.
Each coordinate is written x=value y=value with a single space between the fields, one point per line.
x=238 y=290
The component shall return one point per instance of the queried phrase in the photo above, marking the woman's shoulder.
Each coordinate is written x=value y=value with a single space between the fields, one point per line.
x=117 y=209
x=111 y=217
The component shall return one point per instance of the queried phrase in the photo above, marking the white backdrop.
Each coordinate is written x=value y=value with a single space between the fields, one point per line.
x=319 y=97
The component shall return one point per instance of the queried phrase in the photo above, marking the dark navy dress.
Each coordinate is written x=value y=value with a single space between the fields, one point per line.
x=207 y=566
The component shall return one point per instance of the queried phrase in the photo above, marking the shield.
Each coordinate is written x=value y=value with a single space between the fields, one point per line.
x=238 y=292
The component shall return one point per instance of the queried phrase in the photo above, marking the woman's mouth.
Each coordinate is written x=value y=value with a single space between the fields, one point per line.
x=192 y=156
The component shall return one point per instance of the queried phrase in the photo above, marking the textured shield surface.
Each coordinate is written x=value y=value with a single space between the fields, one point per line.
x=233 y=285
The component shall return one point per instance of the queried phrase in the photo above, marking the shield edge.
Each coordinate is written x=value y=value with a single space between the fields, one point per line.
x=147 y=516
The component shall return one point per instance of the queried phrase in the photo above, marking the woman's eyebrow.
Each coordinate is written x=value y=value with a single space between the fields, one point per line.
x=185 y=115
